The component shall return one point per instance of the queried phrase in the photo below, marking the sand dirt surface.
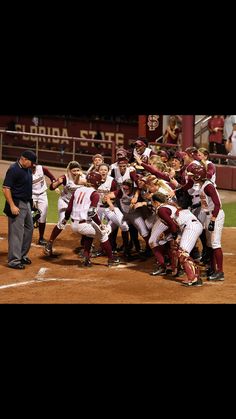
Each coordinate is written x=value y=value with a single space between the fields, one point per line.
x=63 y=279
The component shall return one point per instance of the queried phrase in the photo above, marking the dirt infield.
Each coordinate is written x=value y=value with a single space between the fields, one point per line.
x=63 y=279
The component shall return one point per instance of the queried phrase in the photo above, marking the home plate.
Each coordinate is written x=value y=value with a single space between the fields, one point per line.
x=228 y=254
x=41 y=272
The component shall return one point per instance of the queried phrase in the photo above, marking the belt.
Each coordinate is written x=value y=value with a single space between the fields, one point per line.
x=79 y=222
x=207 y=213
x=193 y=221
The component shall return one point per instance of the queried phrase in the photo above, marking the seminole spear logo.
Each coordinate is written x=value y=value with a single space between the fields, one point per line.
x=153 y=122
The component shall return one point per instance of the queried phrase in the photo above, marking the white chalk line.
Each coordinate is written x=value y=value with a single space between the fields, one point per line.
x=43 y=280
x=40 y=278
x=81 y=280
x=100 y=281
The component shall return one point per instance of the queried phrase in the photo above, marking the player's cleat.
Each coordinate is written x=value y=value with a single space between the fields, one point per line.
x=209 y=272
x=197 y=282
x=42 y=242
x=97 y=253
x=217 y=276
x=87 y=263
x=48 y=249
x=113 y=262
x=158 y=271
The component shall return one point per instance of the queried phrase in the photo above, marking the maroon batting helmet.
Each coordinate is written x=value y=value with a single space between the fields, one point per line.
x=139 y=143
x=179 y=155
x=121 y=153
x=163 y=153
x=94 y=178
x=196 y=171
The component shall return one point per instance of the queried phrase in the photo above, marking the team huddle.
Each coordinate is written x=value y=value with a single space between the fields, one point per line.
x=169 y=198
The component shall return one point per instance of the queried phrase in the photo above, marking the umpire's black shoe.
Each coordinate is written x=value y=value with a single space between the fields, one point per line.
x=19 y=266
x=25 y=261
x=217 y=276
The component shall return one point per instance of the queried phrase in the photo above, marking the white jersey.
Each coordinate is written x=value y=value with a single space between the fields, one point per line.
x=233 y=141
x=81 y=203
x=121 y=178
x=68 y=189
x=39 y=184
x=183 y=216
x=194 y=191
x=213 y=178
x=146 y=153
x=206 y=202
x=125 y=202
x=104 y=188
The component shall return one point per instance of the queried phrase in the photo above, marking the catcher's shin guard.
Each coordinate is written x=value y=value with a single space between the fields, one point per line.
x=189 y=266
x=174 y=252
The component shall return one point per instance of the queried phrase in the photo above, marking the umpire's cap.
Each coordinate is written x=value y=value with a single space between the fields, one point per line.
x=30 y=155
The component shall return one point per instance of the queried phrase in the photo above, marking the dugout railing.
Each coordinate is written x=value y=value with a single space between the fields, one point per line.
x=10 y=150
x=60 y=152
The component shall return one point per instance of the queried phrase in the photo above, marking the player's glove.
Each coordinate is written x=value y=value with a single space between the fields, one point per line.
x=211 y=226
x=36 y=214
x=62 y=224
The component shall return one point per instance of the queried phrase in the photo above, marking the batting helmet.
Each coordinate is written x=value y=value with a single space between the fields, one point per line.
x=139 y=143
x=196 y=171
x=121 y=153
x=163 y=153
x=94 y=178
x=179 y=155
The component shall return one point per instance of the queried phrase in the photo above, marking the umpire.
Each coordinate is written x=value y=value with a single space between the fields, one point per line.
x=17 y=188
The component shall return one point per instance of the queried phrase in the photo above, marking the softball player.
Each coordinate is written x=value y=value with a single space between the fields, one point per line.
x=39 y=196
x=190 y=228
x=85 y=221
x=214 y=220
x=72 y=180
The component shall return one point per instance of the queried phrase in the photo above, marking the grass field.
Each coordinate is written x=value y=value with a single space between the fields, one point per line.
x=52 y=205
x=230 y=208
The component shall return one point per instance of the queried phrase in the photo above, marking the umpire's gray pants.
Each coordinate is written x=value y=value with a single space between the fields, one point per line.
x=20 y=232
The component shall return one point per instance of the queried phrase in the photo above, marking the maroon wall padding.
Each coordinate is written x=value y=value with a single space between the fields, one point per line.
x=225 y=177
x=234 y=179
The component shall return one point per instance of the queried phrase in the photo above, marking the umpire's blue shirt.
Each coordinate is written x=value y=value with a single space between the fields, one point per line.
x=19 y=181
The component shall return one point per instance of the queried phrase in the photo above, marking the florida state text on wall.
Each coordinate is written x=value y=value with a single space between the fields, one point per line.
x=153 y=122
